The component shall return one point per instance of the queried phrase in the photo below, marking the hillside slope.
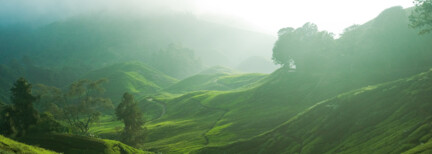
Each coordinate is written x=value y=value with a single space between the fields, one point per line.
x=355 y=61
x=209 y=118
x=133 y=77
x=215 y=78
x=10 y=146
x=386 y=118
x=79 y=144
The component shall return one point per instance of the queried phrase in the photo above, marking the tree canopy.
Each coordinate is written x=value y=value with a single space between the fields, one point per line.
x=18 y=118
x=128 y=112
x=421 y=17
x=303 y=46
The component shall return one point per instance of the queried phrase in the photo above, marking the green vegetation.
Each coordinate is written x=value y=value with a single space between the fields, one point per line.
x=215 y=78
x=10 y=146
x=366 y=91
x=18 y=118
x=128 y=112
x=372 y=119
x=133 y=77
x=78 y=144
x=422 y=15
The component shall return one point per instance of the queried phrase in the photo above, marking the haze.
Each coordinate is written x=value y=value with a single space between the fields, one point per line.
x=262 y=16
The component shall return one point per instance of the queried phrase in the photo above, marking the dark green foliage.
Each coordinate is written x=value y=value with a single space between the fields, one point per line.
x=83 y=104
x=21 y=115
x=80 y=106
x=48 y=124
x=128 y=112
x=421 y=17
x=306 y=47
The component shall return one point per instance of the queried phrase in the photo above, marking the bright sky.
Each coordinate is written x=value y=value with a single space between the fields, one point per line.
x=271 y=15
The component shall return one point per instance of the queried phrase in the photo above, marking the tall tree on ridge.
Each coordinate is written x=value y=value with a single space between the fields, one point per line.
x=128 y=112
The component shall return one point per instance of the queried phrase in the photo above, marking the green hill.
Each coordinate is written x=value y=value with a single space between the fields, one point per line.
x=215 y=78
x=210 y=118
x=78 y=144
x=10 y=146
x=386 y=118
x=206 y=119
x=133 y=77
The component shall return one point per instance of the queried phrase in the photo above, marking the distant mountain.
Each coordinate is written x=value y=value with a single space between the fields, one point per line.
x=386 y=118
x=132 y=77
x=102 y=39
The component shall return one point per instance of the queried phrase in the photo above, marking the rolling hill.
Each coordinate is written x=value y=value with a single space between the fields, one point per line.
x=79 y=144
x=133 y=77
x=209 y=118
x=10 y=146
x=215 y=78
x=391 y=117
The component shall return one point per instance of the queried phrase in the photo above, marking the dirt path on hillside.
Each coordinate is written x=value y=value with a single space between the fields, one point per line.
x=163 y=106
x=215 y=123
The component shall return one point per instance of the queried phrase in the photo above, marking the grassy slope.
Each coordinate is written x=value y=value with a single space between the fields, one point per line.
x=210 y=118
x=77 y=144
x=386 y=118
x=133 y=77
x=217 y=81
x=10 y=146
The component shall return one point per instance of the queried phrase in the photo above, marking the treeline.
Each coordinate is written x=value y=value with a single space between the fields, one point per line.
x=380 y=50
x=45 y=109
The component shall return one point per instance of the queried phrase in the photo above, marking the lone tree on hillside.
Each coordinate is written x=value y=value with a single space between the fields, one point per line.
x=128 y=112
x=305 y=46
x=18 y=118
x=83 y=104
x=421 y=17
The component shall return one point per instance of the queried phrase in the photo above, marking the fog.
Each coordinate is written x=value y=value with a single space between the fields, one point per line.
x=45 y=11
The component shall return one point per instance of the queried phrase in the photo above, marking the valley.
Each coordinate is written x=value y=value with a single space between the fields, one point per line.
x=128 y=83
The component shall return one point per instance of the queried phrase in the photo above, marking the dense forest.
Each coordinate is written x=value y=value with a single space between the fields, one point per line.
x=174 y=83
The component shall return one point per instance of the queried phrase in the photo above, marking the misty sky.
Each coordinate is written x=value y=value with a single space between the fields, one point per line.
x=264 y=15
x=271 y=15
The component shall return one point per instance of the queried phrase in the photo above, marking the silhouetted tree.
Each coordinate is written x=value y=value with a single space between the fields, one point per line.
x=421 y=17
x=21 y=115
x=305 y=46
x=83 y=103
x=128 y=112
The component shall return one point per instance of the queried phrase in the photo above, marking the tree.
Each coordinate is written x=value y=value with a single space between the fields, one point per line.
x=128 y=112
x=421 y=17
x=83 y=104
x=305 y=46
x=18 y=118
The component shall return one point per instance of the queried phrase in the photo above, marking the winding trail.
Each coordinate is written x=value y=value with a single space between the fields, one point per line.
x=215 y=123
x=163 y=105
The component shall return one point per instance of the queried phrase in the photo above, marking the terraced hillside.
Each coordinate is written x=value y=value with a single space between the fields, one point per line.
x=133 y=77
x=386 y=118
x=210 y=118
x=216 y=78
